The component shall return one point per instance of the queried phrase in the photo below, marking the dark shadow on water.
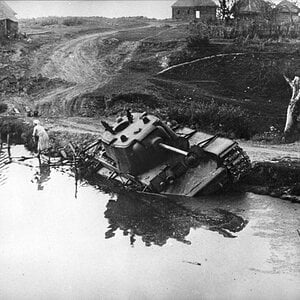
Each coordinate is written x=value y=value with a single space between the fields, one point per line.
x=156 y=219
x=42 y=175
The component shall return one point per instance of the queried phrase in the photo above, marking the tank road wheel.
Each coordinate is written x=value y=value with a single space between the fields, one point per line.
x=237 y=162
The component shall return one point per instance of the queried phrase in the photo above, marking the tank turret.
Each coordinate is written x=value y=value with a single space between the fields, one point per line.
x=133 y=143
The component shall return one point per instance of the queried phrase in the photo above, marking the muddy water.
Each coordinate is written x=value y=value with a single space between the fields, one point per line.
x=59 y=241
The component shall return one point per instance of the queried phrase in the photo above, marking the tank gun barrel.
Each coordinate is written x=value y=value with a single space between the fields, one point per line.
x=173 y=149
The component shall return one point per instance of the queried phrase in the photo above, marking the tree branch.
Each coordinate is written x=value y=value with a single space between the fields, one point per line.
x=288 y=81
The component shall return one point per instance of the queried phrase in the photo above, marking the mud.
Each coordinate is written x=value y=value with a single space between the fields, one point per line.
x=278 y=179
x=259 y=181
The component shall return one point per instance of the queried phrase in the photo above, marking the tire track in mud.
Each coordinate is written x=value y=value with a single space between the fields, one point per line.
x=81 y=62
x=263 y=153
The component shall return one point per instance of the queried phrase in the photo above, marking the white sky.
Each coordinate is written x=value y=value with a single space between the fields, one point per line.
x=159 y=9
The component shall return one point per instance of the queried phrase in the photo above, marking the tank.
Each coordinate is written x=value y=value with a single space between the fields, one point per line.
x=145 y=153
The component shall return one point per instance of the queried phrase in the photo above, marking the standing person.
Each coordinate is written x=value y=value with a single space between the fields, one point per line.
x=41 y=137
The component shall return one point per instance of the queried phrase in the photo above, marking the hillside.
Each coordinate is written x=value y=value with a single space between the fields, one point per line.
x=94 y=67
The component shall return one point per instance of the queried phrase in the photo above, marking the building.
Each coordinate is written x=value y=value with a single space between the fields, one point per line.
x=251 y=9
x=8 y=21
x=287 y=12
x=204 y=10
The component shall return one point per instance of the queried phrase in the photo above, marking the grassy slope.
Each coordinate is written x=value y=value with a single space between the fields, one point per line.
x=240 y=96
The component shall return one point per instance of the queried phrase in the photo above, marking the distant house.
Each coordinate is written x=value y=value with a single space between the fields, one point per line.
x=287 y=12
x=8 y=21
x=204 y=10
x=250 y=9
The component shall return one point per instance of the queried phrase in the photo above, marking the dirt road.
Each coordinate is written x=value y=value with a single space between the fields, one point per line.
x=89 y=61
x=260 y=152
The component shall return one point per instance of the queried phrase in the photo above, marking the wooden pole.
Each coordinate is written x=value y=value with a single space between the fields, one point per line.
x=8 y=146
x=39 y=157
x=75 y=167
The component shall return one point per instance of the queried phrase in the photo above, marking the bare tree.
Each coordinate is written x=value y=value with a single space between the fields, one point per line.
x=293 y=110
x=225 y=9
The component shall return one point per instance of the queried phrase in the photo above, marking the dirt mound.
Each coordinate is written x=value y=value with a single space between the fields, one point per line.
x=88 y=105
x=98 y=104
x=278 y=179
x=133 y=99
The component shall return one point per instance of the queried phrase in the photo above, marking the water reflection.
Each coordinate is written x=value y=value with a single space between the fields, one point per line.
x=157 y=219
x=52 y=245
x=42 y=175
x=3 y=170
x=3 y=167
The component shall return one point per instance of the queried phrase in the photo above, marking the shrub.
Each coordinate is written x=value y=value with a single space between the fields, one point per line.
x=224 y=119
x=72 y=21
x=197 y=41
x=16 y=128
x=260 y=29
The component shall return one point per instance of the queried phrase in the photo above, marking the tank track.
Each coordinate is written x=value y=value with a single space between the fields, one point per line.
x=237 y=162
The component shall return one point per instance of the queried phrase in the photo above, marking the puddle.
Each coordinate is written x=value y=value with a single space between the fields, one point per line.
x=61 y=239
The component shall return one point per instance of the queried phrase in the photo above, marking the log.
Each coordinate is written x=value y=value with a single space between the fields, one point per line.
x=293 y=110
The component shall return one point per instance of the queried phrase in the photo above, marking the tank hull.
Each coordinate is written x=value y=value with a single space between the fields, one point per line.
x=224 y=162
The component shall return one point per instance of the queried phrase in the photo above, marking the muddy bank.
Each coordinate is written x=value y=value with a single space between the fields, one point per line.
x=20 y=132
x=278 y=179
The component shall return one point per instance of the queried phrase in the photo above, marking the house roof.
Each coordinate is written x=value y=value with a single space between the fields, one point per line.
x=194 y=3
x=6 y=12
x=249 y=6
x=287 y=7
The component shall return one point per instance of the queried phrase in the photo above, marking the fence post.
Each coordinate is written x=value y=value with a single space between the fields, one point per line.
x=8 y=146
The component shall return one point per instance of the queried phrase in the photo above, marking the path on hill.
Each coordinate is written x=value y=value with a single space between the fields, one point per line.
x=89 y=62
x=260 y=152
